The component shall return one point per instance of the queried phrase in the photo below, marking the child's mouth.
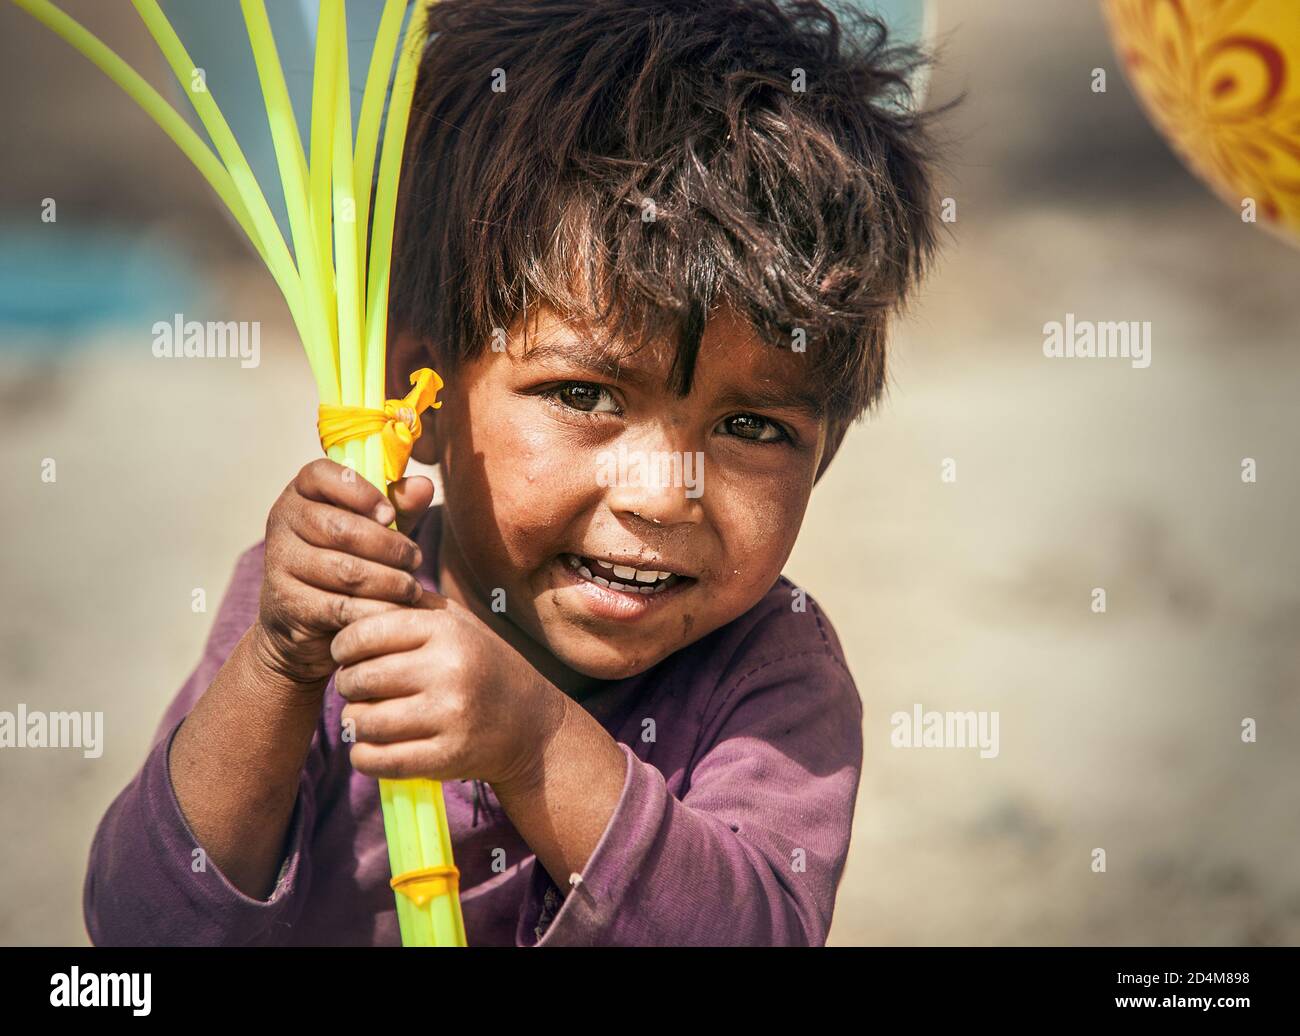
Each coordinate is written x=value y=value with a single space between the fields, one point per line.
x=644 y=582
x=616 y=590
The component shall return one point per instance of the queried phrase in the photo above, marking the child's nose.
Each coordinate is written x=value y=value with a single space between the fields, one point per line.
x=662 y=487
x=663 y=507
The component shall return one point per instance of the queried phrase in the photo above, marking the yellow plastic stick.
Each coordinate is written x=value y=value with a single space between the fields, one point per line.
x=347 y=260
x=406 y=910
x=381 y=237
x=372 y=107
x=328 y=32
x=372 y=110
x=293 y=175
x=419 y=813
x=275 y=253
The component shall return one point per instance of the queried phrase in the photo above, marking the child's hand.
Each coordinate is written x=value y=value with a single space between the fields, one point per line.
x=330 y=559
x=433 y=692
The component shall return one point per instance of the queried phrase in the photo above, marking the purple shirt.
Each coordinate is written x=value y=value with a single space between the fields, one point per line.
x=731 y=829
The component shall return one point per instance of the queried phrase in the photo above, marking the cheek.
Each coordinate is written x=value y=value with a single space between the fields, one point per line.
x=527 y=485
x=758 y=524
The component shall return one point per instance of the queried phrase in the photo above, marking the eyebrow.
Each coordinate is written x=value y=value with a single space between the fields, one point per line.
x=586 y=353
x=775 y=397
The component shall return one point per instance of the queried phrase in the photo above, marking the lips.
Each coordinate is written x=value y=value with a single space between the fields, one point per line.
x=599 y=590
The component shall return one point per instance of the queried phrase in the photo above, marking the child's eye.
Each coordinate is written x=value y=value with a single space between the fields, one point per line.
x=584 y=396
x=754 y=428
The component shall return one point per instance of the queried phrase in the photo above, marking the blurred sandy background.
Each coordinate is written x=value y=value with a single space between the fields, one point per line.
x=1119 y=731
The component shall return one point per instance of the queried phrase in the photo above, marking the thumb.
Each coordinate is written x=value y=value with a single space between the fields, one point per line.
x=411 y=497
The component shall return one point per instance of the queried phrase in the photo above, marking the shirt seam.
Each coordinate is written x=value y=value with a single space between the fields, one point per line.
x=707 y=719
x=751 y=633
x=825 y=652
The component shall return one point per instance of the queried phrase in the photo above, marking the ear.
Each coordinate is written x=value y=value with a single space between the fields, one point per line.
x=425 y=449
x=408 y=353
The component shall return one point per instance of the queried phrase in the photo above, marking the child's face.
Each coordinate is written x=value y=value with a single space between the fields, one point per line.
x=548 y=463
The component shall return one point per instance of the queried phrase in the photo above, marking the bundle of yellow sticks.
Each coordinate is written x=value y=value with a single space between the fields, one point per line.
x=335 y=283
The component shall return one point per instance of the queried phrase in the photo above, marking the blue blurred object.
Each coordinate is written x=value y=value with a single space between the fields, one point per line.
x=911 y=22
x=56 y=282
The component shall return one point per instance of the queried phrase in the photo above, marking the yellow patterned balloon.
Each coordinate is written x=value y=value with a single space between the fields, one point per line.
x=1221 y=79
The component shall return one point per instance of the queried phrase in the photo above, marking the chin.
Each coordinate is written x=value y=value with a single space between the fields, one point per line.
x=605 y=662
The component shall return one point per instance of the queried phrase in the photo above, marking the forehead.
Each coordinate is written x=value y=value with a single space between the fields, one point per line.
x=732 y=360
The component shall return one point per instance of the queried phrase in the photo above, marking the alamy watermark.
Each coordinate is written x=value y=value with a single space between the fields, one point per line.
x=921 y=729
x=73 y=988
x=35 y=729
x=651 y=469
x=1091 y=339
x=212 y=339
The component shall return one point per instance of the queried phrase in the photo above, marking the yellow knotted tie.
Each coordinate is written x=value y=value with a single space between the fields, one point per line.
x=427 y=883
x=398 y=423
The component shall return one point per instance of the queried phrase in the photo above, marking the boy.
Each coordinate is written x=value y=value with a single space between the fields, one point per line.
x=640 y=239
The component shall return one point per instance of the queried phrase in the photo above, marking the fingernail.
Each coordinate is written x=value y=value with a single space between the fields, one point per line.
x=384 y=514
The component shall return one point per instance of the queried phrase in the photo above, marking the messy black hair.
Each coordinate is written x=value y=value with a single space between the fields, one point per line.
x=774 y=144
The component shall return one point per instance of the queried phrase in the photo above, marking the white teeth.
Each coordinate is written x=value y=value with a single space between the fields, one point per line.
x=652 y=581
x=648 y=575
x=635 y=589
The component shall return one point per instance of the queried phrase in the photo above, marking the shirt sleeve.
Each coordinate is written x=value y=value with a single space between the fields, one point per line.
x=752 y=853
x=148 y=881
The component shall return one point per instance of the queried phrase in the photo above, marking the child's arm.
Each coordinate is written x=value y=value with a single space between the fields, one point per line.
x=190 y=851
x=751 y=855
x=150 y=880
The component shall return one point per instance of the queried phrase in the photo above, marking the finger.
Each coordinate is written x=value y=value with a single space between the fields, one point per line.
x=383 y=677
x=321 y=610
x=412 y=497
x=332 y=528
x=391 y=721
x=347 y=574
x=327 y=482
x=354 y=609
x=433 y=601
x=389 y=633
x=405 y=759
